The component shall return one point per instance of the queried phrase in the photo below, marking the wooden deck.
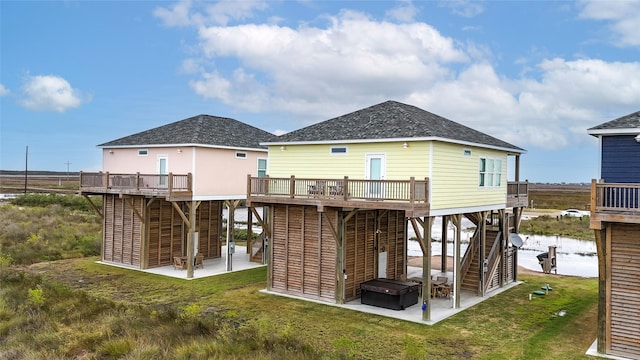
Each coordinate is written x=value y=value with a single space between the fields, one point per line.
x=410 y=195
x=612 y=202
x=174 y=187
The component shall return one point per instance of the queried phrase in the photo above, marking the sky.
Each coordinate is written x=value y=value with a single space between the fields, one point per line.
x=537 y=74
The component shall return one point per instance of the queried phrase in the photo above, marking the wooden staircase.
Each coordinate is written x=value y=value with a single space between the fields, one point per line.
x=496 y=254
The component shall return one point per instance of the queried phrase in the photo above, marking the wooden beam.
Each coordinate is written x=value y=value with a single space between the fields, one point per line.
x=262 y=223
x=93 y=206
x=127 y=199
x=331 y=227
x=181 y=213
x=382 y=214
x=418 y=235
x=350 y=215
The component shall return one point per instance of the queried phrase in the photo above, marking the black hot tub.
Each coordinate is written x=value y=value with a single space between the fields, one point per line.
x=390 y=294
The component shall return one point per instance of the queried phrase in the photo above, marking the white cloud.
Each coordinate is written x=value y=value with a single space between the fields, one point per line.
x=313 y=73
x=177 y=15
x=188 y=13
x=353 y=55
x=464 y=8
x=3 y=90
x=623 y=17
x=404 y=12
x=49 y=92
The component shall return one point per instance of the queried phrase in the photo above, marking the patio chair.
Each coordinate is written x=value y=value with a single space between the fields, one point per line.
x=199 y=261
x=177 y=263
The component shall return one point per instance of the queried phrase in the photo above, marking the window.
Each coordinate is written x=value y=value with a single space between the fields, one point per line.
x=490 y=172
x=241 y=155
x=262 y=167
x=338 y=150
x=143 y=152
x=466 y=152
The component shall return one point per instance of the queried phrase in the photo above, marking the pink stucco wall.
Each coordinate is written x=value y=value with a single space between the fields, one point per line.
x=217 y=173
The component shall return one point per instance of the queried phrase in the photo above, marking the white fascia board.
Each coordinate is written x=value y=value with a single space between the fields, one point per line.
x=631 y=131
x=466 y=210
x=182 y=145
x=411 y=139
x=220 y=197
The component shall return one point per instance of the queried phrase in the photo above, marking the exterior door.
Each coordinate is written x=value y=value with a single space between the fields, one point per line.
x=375 y=170
x=162 y=170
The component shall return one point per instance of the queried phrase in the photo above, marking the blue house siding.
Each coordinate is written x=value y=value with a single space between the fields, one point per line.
x=620 y=159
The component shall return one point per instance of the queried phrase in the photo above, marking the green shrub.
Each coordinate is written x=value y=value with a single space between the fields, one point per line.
x=67 y=201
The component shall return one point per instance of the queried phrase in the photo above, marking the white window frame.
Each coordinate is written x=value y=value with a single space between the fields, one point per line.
x=266 y=167
x=340 y=153
x=242 y=155
x=143 y=152
x=491 y=175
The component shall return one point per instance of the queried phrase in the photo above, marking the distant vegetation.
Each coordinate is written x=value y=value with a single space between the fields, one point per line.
x=560 y=197
x=35 y=228
x=572 y=227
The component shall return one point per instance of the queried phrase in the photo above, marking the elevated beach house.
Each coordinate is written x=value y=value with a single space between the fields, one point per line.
x=164 y=189
x=341 y=195
x=615 y=217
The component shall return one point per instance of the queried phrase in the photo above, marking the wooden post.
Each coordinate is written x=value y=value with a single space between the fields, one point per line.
x=456 y=265
x=170 y=185
x=340 y=270
x=426 y=269
x=249 y=233
x=601 y=325
x=345 y=188
x=292 y=187
x=412 y=188
x=192 y=230
x=144 y=235
x=482 y=234
x=443 y=236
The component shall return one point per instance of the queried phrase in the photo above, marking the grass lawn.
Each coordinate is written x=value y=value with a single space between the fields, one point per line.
x=81 y=309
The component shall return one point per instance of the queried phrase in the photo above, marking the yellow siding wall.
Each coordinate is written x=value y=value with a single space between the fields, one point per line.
x=454 y=182
x=454 y=177
x=315 y=161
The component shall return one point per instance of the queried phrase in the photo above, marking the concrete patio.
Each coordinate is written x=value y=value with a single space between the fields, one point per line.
x=441 y=308
x=211 y=267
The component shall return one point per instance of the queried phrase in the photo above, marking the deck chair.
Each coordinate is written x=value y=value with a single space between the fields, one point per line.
x=177 y=263
x=199 y=261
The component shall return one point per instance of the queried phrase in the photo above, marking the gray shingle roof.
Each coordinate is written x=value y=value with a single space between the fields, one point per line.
x=199 y=130
x=391 y=120
x=631 y=121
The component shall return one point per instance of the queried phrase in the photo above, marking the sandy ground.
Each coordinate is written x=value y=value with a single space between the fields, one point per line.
x=435 y=264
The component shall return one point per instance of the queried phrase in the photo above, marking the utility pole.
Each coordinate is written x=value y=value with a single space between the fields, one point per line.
x=68 y=163
x=26 y=166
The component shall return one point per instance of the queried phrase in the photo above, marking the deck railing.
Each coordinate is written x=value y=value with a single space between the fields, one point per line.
x=517 y=193
x=137 y=182
x=615 y=197
x=409 y=191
